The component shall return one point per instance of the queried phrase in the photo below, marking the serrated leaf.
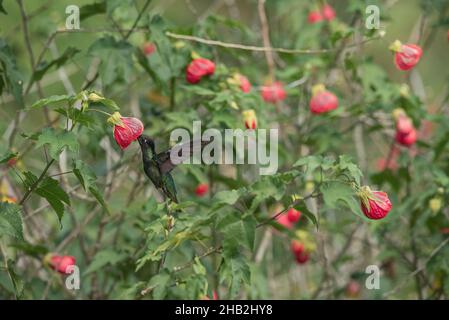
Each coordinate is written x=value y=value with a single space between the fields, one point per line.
x=11 y=220
x=50 y=190
x=116 y=59
x=159 y=284
x=43 y=67
x=87 y=178
x=57 y=141
x=77 y=116
x=309 y=215
x=104 y=258
x=57 y=99
x=238 y=230
x=338 y=194
x=235 y=271
x=227 y=197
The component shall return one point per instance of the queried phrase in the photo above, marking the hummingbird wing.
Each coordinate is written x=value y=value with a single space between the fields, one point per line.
x=183 y=151
x=169 y=188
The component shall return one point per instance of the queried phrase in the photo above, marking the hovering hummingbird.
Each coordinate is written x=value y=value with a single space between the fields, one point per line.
x=157 y=166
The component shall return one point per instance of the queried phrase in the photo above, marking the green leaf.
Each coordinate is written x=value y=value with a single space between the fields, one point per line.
x=116 y=59
x=92 y=9
x=304 y=210
x=87 y=178
x=237 y=230
x=50 y=190
x=11 y=220
x=77 y=116
x=10 y=77
x=104 y=258
x=346 y=164
x=109 y=103
x=338 y=194
x=7 y=156
x=159 y=285
x=17 y=282
x=227 y=197
x=43 y=67
x=2 y=9
x=57 y=141
x=235 y=271
x=53 y=100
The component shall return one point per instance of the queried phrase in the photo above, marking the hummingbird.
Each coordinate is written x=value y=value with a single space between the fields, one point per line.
x=157 y=166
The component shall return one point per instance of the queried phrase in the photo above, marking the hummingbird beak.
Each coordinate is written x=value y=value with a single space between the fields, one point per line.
x=141 y=140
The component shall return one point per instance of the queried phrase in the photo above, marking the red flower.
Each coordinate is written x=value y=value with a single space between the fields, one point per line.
x=314 y=17
x=297 y=247
x=126 y=129
x=322 y=100
x=62 y=263
x=328 y=12
x=406 y=55
x=199 y=68
x=293 y=215
x=273 y=93
x=245 y=85
x=406 y=133
x=302 y=257
x=404 y=124
x=406 y=139
x=282 y=219
x=249 y=116
x=375 y=204
x=201 y=189
x=352 y=289
x=149 y=48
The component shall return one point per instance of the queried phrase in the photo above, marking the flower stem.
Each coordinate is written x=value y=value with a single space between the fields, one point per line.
x=100 y=111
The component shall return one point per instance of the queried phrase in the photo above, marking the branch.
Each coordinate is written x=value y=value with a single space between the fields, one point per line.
x=256 y=48
x=266 y=37
x=418 y=270
x=203 y=255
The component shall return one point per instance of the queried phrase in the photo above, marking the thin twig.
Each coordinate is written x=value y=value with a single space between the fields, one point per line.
x=256 y=48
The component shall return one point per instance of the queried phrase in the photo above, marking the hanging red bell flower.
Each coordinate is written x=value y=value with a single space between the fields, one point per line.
x=249 y=116
x=201 y=189
x=408 y=139
x=375 y=204
x=199 y=68
x=296 y=247
x=282 y=219
x=406 y=133
x=61 y=264
x=293 y=215
x=314 y=17
x=322 y=100
x=273 y=93
x=328 y=12
x=245 y=85
x=126 y=129
x=352 y=289
x=302 y=257
x=406 y=55
x=149 y=48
